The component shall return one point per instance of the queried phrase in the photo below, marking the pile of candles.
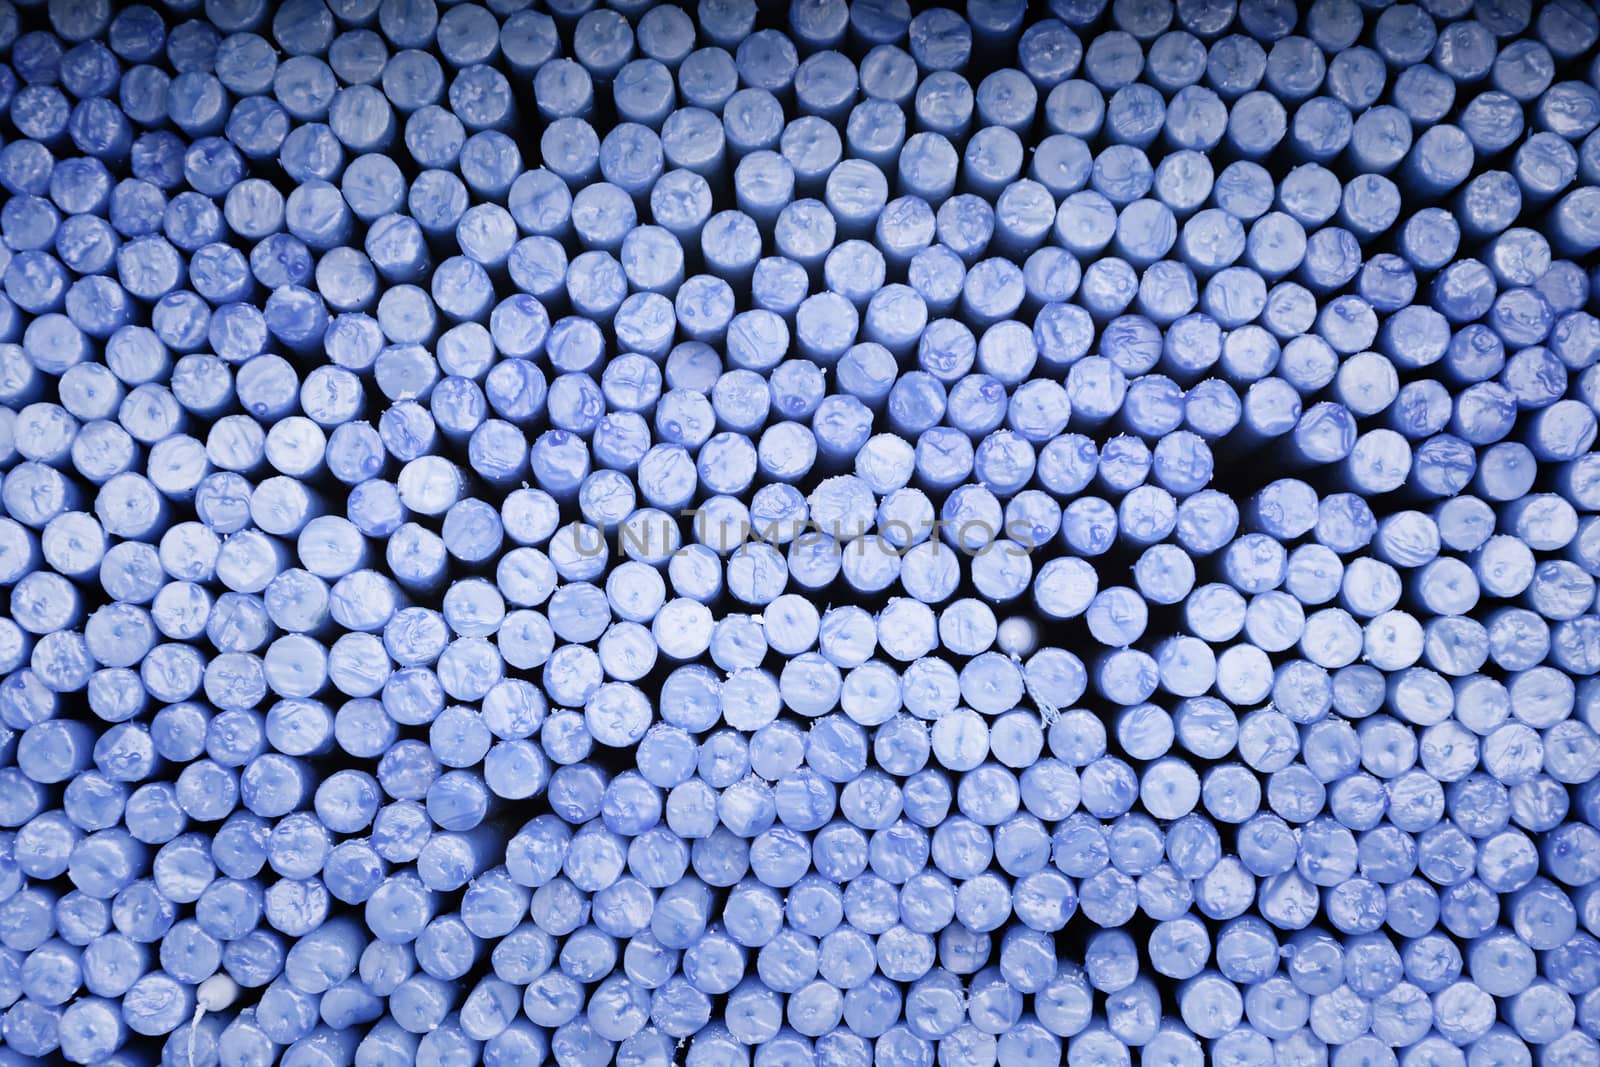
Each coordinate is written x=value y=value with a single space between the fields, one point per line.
x=823 y=534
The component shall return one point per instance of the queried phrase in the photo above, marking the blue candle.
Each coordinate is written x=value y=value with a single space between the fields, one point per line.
x=1249 y=304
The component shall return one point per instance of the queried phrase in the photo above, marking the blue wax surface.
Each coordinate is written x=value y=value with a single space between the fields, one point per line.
x=837 y=533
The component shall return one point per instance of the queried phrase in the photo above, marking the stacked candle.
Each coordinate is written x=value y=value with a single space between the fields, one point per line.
x=838 y=534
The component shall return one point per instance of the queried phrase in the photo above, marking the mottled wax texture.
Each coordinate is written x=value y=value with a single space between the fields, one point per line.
x=813 y=535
